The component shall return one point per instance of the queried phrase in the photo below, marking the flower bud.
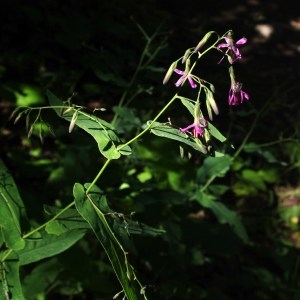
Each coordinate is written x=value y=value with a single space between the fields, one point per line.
x=186 y=55
x=170 y=72
x=73 y=121
x=203 y=41
x=210 y=98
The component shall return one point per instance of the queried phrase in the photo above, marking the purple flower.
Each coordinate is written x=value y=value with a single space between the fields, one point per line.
x=184 y=75
x=232 y=48
x=197 y=127
x=236 y=94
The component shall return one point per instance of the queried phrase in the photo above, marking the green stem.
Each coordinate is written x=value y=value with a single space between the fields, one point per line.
x=40 y=228
x=150 y=125
x=98 y=175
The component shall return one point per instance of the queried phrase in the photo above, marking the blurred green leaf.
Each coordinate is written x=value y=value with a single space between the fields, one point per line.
x=269 y=175
x=252 y=178
x=127 y=119
x=110 y=77
x=29 y=95
x=214 y=166
x=223 y=214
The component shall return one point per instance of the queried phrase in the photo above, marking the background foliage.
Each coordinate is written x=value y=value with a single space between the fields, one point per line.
x=194 y=227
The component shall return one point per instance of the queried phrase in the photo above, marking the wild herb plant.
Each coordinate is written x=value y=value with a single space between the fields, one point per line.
x=91 y=209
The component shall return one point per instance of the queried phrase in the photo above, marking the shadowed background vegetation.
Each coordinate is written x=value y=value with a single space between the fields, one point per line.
x=89 y=51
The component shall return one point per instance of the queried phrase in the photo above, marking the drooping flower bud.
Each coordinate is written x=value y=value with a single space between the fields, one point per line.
x=170 y=72
x=203 y=41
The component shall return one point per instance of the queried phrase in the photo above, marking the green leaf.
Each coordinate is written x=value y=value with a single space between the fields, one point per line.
x=11 y=211
x=253 y=179
x=189 y=104
x=214 y=167
x=68 y=220
x=168 y=131
x=223 y=214
x=89 y=206
x=100 y=130
x=11 y=287
x=48 y=245
x=216 y=133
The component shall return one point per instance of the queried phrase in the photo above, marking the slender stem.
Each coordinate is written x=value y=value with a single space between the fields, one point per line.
x=151 y=123
x=98 y=175
x=39 y=228
x=51 y=220
x=208 y=182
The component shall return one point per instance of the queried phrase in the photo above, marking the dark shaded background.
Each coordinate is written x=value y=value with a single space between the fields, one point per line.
x=65 y=45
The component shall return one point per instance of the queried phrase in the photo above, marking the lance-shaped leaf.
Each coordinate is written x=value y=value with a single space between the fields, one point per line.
x=90 y=207
x=100 y=130
x=47 y=245
x=168 y=131
x=11 y=211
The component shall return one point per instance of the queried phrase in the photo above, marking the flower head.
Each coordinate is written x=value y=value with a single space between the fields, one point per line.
x=236 y=94
x=184 y=75
x=197 y=127
x=232 y=48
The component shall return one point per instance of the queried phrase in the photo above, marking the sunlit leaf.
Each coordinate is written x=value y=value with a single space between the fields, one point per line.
x=99 y=129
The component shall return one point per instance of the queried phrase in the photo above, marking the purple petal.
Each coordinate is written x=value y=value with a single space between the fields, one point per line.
x=223 y=45
x=192 y=83
x=178 y=71
x=198 y=129
x=186 y=128
x=241 y=41
x=237 y=52
x=179 y=81
x=245 y=95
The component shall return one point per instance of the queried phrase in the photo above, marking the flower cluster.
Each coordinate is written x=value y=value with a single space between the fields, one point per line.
x=236 y=96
